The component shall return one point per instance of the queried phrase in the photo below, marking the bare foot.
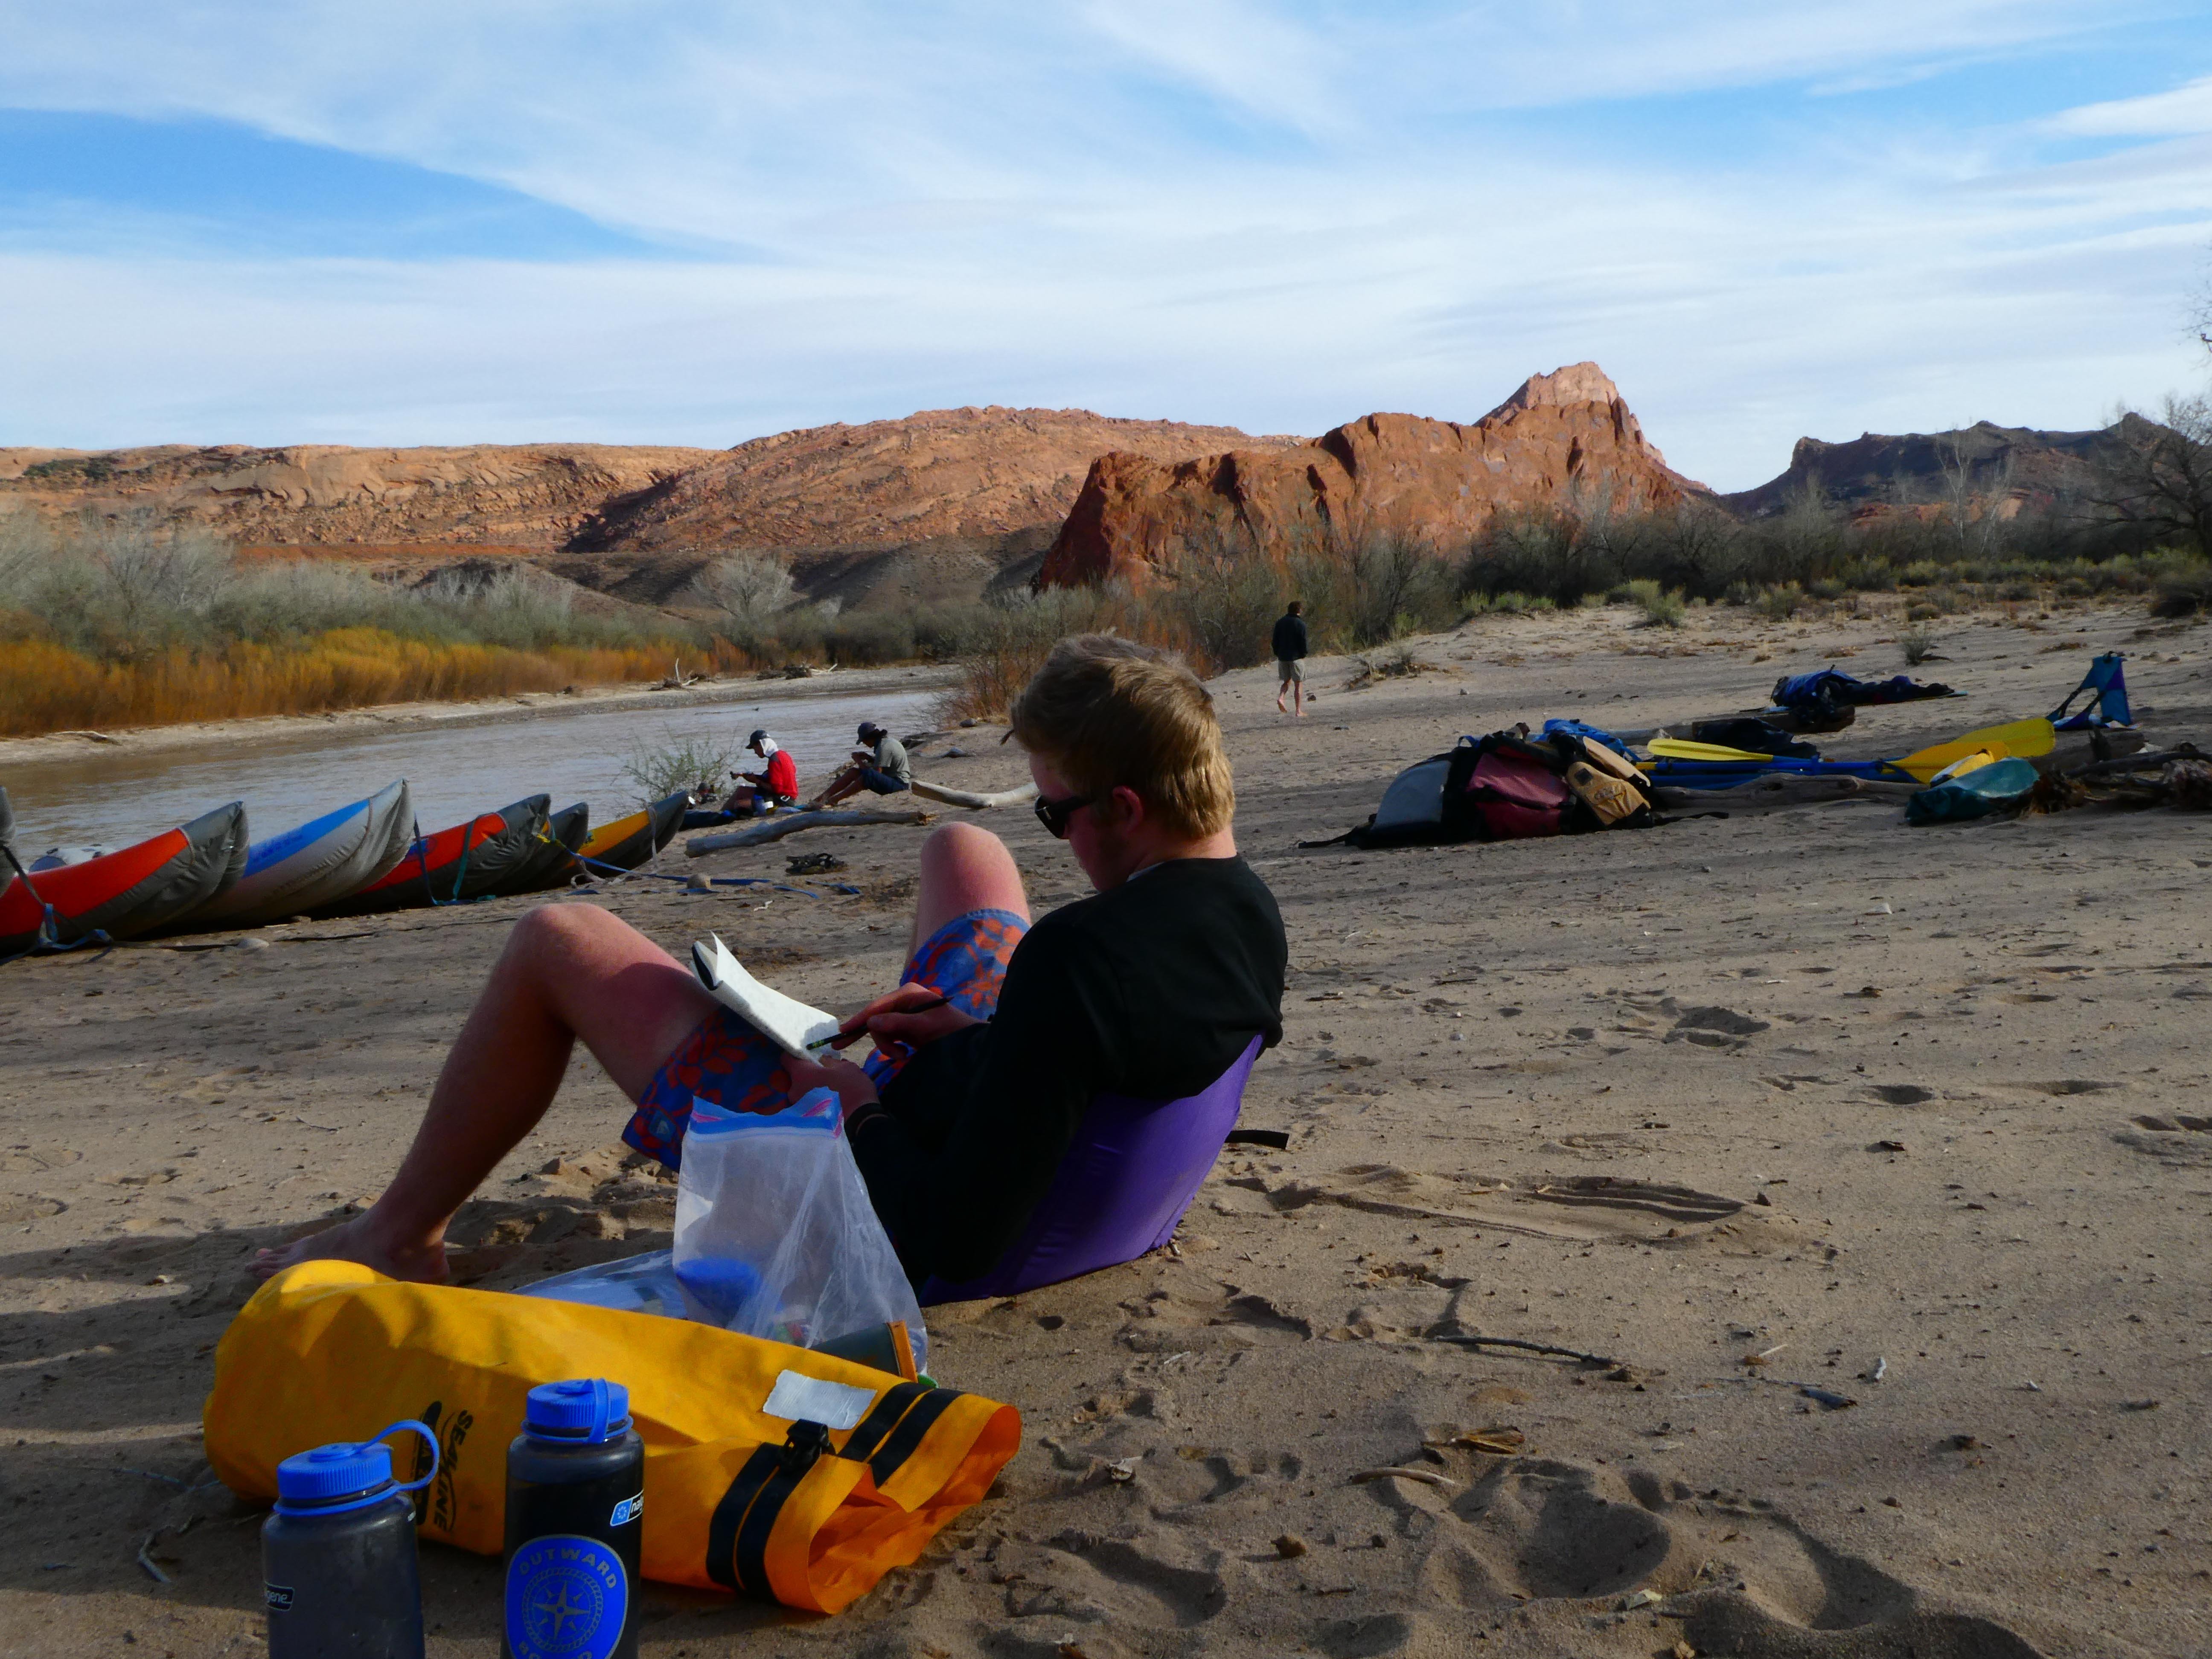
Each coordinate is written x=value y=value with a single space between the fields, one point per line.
x=356 y=1241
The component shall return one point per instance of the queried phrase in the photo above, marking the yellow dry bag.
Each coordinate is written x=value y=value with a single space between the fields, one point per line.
x=774 y=1472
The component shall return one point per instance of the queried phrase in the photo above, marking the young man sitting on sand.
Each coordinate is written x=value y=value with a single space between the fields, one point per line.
x=882 y=768
x=1151 y=988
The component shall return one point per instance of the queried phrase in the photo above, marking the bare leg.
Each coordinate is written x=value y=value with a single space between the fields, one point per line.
x=568 y=971
x=845 y=783
x=1298 y=699
x=964 y=868
x=1279 y=692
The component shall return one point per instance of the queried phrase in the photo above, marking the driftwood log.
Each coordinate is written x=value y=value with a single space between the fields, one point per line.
x=1769 y=794
x=2138 y=763
x=938 y=793
x=2076 y=751
x=787 y=824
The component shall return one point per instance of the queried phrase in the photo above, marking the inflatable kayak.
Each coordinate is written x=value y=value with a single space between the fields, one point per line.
x=465 y=862
x=552 y=857
x=328 y=859
x=132 y=891
x=628 y=842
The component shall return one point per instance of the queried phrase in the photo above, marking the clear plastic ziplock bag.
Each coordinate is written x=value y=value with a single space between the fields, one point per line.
x=775 y=1235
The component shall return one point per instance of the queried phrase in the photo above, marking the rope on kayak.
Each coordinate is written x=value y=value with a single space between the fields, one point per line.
x=461 y=874
x=48 y=938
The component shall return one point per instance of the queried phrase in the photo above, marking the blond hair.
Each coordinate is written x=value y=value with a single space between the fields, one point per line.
x=1106 y=712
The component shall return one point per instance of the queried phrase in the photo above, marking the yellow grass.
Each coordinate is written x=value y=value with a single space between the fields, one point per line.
x=48 y=688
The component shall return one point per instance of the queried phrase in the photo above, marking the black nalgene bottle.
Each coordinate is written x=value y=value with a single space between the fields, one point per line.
x=339 y=1566
x=576 y=1510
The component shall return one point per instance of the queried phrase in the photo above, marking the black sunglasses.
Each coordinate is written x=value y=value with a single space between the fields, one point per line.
x=1055 y=815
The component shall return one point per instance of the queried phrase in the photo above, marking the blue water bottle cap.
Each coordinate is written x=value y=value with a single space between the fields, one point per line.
x=345 y=1475
x=586 y=1411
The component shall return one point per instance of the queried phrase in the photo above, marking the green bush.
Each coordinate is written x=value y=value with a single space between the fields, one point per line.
x=1661 y=609
x=1780 y=604
x=2184 y=590
x=659 y=766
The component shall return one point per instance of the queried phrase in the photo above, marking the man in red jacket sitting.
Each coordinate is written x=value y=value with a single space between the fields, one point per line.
x=765 y=792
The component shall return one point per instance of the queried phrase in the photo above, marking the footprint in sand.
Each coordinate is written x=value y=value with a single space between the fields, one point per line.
x=1901 y=1094
x=2180 y=1139
x=1120 y=1581
x=1742 y=1578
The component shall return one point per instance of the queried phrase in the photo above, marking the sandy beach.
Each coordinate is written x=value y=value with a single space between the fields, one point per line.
x=1876 y=1163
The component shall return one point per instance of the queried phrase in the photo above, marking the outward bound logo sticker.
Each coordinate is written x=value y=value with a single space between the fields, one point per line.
x=567 y=1598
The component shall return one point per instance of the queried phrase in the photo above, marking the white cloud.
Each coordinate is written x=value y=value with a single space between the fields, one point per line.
x=1280 y=217
x=2184 y=110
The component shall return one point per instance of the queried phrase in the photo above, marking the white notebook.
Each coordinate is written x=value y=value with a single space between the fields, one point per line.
x=785 y=1021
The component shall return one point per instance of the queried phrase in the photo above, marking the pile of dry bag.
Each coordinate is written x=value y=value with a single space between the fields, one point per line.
x=1507 y=786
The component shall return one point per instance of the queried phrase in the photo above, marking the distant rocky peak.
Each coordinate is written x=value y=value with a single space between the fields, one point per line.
x=1578 y=383
x=1563 y=388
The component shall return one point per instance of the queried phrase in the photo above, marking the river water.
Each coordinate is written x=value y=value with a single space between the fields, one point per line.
x=111 y=796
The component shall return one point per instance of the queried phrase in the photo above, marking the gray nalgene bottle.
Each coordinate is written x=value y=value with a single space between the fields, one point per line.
x=575 y=1508
x=337 y=1557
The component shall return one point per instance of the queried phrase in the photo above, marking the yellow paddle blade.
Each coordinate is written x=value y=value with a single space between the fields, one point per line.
x=1683 y=749
x=2024 y=739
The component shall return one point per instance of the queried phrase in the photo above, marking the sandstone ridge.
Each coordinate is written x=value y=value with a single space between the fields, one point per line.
x=1562 y=438
x=959 y=474
x=524 y=496
x=1876 y=471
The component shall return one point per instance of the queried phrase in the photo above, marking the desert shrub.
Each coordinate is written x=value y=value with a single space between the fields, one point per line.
x=2183 y=589
x=1514 y=605
x=1007 y=641
x=1543 y=552
x=1226 y=595
x=870 y=637
x=46 y=686
x=1372 y=588
x=661 y=765
x=750 y=593
x=1780 y=604
x=1660 y=608
x=1918 y=645
x=138 y=622
x=1397 y=662
x=26 y=547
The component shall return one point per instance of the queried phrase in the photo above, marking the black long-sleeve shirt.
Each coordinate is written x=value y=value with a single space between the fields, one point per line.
x=1152 y=989
x=1290 y=638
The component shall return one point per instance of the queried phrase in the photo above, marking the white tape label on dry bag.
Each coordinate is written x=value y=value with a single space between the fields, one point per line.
x=834 y=1405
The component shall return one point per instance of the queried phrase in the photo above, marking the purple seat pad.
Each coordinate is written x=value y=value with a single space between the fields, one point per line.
x=1128 y=1176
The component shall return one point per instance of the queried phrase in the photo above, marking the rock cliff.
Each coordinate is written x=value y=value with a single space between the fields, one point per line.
x=1559 y=439
x=518 y=495
x=2018 y=464
x=947 y=475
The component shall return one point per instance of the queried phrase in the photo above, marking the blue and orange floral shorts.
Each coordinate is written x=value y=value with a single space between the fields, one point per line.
x=728 y=1063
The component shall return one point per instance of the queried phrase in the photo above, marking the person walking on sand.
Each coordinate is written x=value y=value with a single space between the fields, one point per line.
x=1291 y=659
x=881 y=768
x=765 y=792
x=987 y=1054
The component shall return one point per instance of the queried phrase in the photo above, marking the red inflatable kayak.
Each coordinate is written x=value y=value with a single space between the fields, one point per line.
x=136 y=890
x=553 y=859
x=465 y=862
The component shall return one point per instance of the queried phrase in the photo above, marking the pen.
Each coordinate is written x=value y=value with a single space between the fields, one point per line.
x=854 y=1036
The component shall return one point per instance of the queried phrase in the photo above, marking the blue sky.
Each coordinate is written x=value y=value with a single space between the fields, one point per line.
x=640 y=222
